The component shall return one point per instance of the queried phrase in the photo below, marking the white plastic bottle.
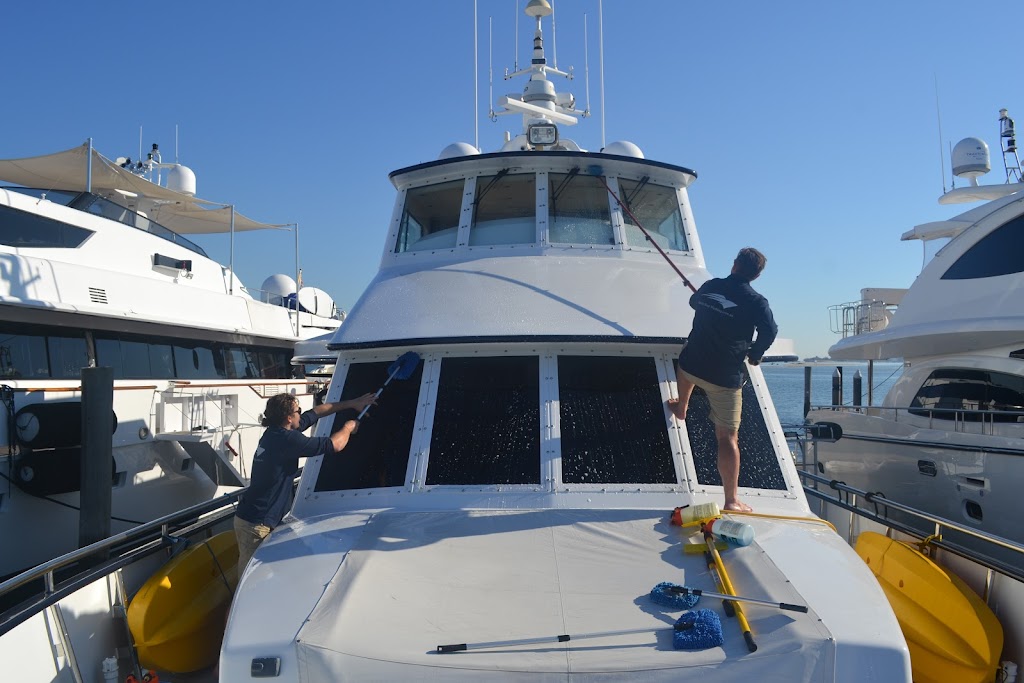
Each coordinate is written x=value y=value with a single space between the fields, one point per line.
x=737 y=533
x=695 y=514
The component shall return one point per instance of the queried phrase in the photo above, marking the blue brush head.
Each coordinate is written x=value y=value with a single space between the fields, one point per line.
x=404 y=365
x=671 y=595
x=698 y=630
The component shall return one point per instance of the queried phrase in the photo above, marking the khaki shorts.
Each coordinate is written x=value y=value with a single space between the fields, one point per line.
x=726 y=403
x=249 y=537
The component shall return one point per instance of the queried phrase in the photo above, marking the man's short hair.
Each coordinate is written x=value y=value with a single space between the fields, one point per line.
x=279 y=407
x=749 y=263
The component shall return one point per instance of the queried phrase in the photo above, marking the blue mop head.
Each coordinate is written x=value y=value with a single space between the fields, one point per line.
x=698 y=630
x=671 y=595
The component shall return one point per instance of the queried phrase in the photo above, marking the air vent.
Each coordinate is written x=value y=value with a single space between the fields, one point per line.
x=927 y=468
x=1018 y=354
x=97 y=295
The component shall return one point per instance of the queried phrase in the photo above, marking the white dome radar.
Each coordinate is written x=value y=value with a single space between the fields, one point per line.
x=182 y=179
x=623 y=148
x=458 y=149
x=278 y=287
x=971 y=159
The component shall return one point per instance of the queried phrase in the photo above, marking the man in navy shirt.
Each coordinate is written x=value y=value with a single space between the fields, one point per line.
x=269 y=496
x=728 y=311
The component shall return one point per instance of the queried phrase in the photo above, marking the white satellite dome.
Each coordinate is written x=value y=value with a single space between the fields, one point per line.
x=278 y=287
x=182 y=179
x=623 y=148
x=458 y=149
x=971 y=158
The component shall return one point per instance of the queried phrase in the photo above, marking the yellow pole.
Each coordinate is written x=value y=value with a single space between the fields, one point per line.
x=727 y=587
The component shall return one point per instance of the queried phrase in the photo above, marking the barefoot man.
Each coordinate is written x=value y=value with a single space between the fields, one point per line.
x=728 y=311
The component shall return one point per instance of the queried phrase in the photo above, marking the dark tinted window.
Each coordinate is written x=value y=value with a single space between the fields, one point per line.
x=137 y=357
x=378 y=454
x=1000 y=252
x=486 y=422
x=612 y=421
x=27 y=352
x=26 y=230
x=955 y=393
x=759 y=466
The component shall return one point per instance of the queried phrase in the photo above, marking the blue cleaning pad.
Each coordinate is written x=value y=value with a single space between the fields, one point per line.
x=698 y=630
x=663 y=594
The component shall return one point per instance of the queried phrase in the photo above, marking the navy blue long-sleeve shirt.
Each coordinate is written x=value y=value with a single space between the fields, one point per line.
x=728 y=311
x=269 y=496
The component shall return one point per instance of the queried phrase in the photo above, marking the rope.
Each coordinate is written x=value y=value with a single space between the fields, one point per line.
x=812 y=520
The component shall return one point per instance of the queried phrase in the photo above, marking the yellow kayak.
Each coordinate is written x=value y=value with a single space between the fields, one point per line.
x=177 y=618
x=951 y=633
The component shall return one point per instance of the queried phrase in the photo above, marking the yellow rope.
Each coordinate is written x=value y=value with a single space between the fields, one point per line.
x=814 y=520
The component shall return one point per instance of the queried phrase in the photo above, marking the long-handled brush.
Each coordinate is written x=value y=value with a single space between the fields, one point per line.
x=402 y=368
x=697 y=630
x=671 y=595
x=596 y=171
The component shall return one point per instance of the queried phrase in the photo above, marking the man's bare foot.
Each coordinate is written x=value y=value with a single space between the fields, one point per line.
x=737 y=506
x=678 y=409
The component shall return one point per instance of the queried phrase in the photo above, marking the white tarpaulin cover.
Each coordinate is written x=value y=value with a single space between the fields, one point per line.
x=414 y=581
x=68 y=170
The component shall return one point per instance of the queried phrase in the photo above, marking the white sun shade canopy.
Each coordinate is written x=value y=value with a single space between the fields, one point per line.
x=68 y=170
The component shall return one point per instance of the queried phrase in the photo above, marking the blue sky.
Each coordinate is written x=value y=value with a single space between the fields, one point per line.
x=812 y=126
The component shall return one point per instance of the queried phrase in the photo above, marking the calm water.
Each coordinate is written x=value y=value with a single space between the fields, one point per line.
x=786 y=383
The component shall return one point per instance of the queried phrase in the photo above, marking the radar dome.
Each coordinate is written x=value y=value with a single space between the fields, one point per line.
x=278 y=287
x=970 y=158
x=182 y=179
x=458 y=149
x=623 y=148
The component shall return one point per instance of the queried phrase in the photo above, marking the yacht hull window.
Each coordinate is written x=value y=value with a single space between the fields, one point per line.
x=486 y=422
x=504 y=210
x=578 y=211
x=29 y=231
x=612 y=422
x=136 y=357
x=430 y=219
x=657 y=209
x=759 y=466
x=1001 y=252
x=26 y=353
x=378 y=455
x=966 y=394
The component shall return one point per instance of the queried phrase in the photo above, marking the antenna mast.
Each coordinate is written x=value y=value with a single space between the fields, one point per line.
x=942 y=158
x=600 y=33
x=586 y=62
x=554 y=39
x=476 y=85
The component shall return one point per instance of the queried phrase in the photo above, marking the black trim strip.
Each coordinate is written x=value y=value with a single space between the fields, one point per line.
x=507 y=339
x=934 y=444
x=585 y=157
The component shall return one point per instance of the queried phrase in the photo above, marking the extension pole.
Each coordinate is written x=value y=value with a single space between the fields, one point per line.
x=709 y=540
x=683 y=590
x=564 y=638
x=647 y=234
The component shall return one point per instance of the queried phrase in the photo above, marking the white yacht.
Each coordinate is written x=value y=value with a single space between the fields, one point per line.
x=97 y=270
x=516 y=489
x=947 y=436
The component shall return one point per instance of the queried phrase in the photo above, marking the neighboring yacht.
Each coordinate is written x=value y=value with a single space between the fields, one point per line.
x=96 y=271
x=518 y=483
x=949 y=435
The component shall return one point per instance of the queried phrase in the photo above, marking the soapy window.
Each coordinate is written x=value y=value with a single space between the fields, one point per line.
x=578 y=210
x=431 y=217
x=656 y=207
x=504 y=210
x=612 y=422
x=486 y=422
x=378 y=454
x=759 y=465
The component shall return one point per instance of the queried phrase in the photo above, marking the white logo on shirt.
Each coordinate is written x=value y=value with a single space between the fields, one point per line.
x=721 y=300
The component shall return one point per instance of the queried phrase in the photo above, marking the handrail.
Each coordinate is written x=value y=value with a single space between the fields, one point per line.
x=1015 y=571
x=141 y=532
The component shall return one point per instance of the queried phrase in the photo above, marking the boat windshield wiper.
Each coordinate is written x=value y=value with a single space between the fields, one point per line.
x=565 y=182
x=487 y=188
